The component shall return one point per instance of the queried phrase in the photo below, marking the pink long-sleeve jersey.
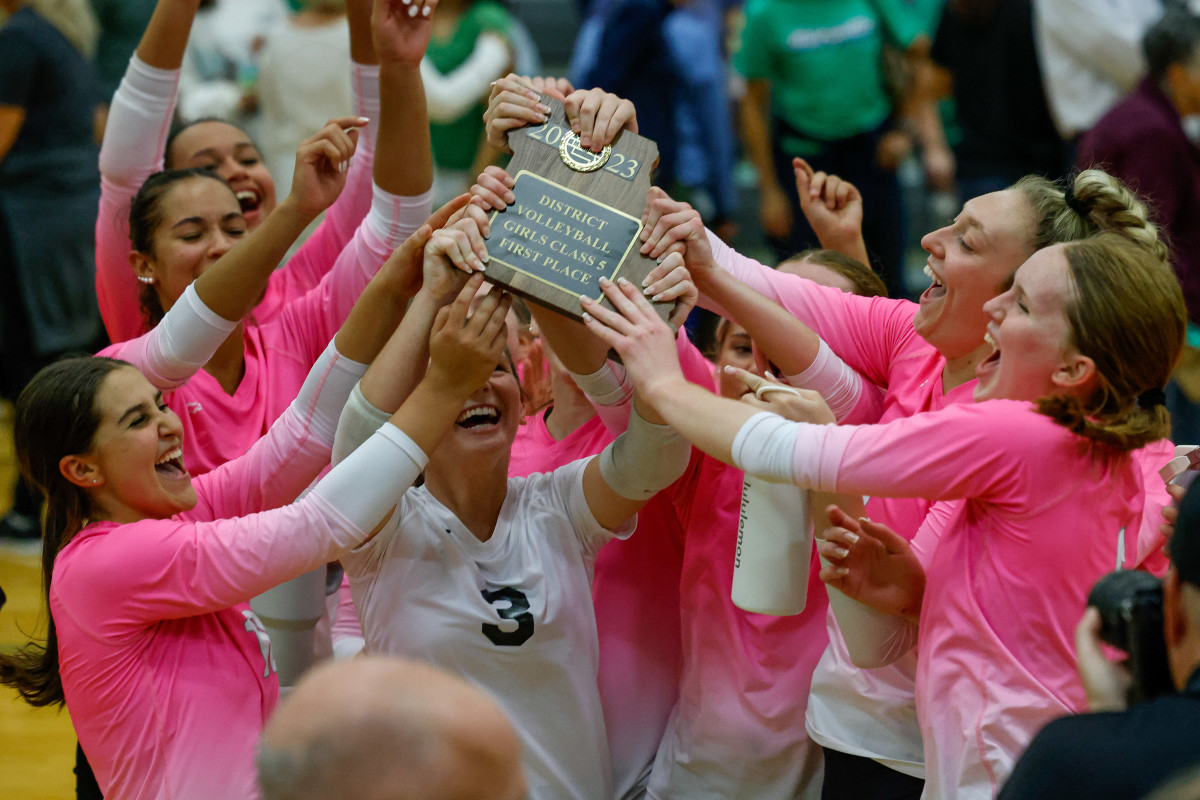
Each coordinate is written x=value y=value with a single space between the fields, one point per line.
x=278 y=354
x=1040 y=519
x=134 y=148
x=167 y=673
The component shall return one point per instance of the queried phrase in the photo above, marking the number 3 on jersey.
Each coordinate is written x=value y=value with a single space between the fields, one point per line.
x=516 y=611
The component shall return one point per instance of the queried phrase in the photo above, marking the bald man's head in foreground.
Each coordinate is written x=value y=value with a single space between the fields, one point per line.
x=376 y=728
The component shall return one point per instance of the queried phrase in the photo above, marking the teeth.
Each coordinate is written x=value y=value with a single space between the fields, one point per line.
x=174 y=454
x=987 y=337
x=246 y=194
x=931 y=274
x=478 y=411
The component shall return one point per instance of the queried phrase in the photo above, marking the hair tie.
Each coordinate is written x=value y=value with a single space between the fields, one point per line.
x=1080 y=207
x=1151 y=397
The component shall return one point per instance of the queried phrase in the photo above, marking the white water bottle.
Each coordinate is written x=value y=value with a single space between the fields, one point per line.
x=774 y=548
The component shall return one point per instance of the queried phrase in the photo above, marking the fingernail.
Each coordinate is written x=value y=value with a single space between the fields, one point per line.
x=426 y=11
x=510 y=198
x=605 y=281
x=485 y=258
x=841 y=552
x=542 y=107
x=412 y=10
x=583 y=298
x=622 y=282
x=841 y=571
x=728 y=369
x=852 y=537
x=583 y=140
x=658 y=298
x=646 y=281
x=659 y=260
x=364 y=120
x=587 y=317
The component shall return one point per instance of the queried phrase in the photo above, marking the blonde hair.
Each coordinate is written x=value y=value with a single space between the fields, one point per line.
x=74 y=19
x=1101 y=203
x=1127 y=315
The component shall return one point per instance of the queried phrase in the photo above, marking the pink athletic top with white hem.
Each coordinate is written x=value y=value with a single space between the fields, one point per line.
x=134 y=147
x=738 y=729
x=278 y=353
x=636 y=596
x=167 y=673
x=865 y=713
x=1041 y=516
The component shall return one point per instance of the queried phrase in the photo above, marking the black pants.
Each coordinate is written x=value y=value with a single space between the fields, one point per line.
x=850 y=777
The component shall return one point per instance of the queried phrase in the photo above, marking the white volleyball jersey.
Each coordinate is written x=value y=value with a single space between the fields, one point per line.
x=513 y=615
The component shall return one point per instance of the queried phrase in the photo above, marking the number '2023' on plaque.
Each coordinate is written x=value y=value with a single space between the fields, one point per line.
x=561 y=238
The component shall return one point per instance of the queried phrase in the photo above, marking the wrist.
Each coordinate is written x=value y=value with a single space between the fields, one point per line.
x=294 y=211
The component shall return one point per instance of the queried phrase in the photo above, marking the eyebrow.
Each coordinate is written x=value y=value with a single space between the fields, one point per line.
x=212 y=152
x=200 y=220
x=134 y=409
x=972 y=222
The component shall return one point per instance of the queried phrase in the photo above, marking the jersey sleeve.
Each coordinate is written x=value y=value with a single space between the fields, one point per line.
x=312 y=319
x=181 y=344
x=868 y=333
x=980 y=450
x=566 y=484
x=17 y=68
x=135 y=139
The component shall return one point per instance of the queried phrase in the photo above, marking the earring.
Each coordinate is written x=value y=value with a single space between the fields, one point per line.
x=146 y=279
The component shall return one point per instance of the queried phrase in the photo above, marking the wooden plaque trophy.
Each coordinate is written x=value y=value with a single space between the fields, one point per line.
x=576 y=218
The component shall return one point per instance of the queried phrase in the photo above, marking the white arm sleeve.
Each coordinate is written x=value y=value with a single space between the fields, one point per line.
x=138 y=121
x=831 y=378
x=364 y=85
x=183 y=342
x=448 y=97
x=873 y=638
x=359 y=421
x=610 y=392
x=645 y=459
x=324 y=392
x=390 y=459
x=777 y=450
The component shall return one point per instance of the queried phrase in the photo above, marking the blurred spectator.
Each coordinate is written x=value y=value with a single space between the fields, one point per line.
x=121 y=25
x=49 y=193
x=817 y=89
x=1090 y=53
x=695 y=36
x=621 y=49
x=1149 y=140
x=1123 y=754
x=220 y=67
x=472 y=46
x=983 y=55
x=302 y=82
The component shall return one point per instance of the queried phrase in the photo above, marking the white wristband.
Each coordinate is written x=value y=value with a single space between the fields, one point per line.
x=833 y=379
x=607 y=386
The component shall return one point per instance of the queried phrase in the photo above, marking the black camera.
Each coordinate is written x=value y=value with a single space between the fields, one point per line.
x=1131 y=619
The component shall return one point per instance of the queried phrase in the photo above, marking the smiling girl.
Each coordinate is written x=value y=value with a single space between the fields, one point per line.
x=1044 y=474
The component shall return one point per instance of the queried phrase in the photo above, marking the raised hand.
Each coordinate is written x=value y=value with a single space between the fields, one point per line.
x=598 y=116
x=797 y=405
x=833 y=208
x=670 y=226
x=403 y=270
x=646 y=343
x=451 y=257
x=870 y=563
x=322 y=161
x=465 y=347
x=493 y=187
x=671 y=281
x=513 y=103
x=401 y=29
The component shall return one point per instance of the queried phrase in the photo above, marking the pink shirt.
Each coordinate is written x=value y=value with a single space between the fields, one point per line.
x=739 y=727
x=1039 y=522
x=138 y=123
x=167 y=673
x=867 y=713
x=636 y=596
x=219 y=427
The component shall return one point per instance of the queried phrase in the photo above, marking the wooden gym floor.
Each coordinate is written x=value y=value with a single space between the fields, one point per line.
x=37 y=746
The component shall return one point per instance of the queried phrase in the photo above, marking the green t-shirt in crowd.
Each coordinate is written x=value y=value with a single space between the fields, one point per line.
x=455 y=143
x=822 y=59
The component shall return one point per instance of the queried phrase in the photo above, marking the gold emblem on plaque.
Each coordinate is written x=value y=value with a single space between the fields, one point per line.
x=578 y=157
